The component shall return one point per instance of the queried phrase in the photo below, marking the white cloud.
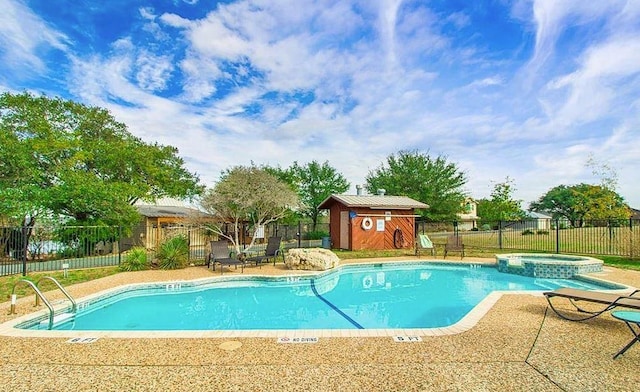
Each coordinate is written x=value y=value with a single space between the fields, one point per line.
x=388 y=19
x=199 y=78
x=24 y=37
x=600 y=81
x=227 y=44
x=147 y=13
x=553 y=17
x=355 y=81
x=174 y=20
x=153 y=71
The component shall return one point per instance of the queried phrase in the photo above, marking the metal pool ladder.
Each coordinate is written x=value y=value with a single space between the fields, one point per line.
x=53 y=318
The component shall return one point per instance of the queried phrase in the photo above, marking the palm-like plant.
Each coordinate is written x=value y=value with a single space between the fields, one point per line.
x=174 y=253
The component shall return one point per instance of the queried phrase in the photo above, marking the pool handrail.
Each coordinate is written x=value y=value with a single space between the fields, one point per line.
x=38 y=295
x=74 y=306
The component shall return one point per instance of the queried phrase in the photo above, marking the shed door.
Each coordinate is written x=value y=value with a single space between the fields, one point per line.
x=344 y=230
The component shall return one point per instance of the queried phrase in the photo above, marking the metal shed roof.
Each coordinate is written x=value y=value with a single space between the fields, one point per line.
x=168 y=211
x=537 y=215
x=373 y=202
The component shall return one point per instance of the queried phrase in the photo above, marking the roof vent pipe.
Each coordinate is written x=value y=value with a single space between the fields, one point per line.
x=358 y=190
x=381 y=192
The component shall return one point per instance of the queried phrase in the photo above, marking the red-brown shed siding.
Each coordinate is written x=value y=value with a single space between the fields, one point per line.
x=334 y=224
x=360 y=238
x=373 y=239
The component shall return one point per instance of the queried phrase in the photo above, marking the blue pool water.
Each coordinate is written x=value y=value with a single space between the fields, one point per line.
x=398 y=295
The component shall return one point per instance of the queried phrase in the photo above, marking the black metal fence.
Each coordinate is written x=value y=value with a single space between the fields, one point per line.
x=601 y=237
x=31 y=249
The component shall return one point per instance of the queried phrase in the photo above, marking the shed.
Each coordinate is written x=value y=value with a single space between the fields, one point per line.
x=371 y=221
x=159 y=221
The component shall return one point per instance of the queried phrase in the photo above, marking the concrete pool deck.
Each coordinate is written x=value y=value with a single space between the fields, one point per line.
x=519 y=345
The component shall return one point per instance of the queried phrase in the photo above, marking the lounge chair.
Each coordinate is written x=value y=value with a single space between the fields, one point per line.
x=606 y=302
x=423 y=242
x=271 y=252
x=630 y=318
x=454 y=244
x=220 y=254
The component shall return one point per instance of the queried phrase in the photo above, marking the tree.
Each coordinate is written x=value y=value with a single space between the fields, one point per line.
x=583 y=201
x=291 y=217
x=501 y=206
x=562 y=201
x=247 y=194
x=603 y=204
x=607 y=174
x=78 y=162
x=435 y=182
x=314 y=183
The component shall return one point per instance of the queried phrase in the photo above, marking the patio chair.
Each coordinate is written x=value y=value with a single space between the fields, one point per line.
x=423 y=242
x=271 y=252
x=220 y=254
x=605 y=301
x=630 y=318
x=454 y=244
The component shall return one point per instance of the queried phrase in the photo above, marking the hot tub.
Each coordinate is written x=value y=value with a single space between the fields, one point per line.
x=548 y=266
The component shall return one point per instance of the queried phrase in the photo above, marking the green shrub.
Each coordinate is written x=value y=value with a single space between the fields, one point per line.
x=485 y=227
x=174 y=253
x=68 y=253
x=137 y=259
x=542 y=232
x=527 y=232
x=316 y=235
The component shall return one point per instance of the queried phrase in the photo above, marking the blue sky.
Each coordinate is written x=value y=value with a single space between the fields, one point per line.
x=525 y=89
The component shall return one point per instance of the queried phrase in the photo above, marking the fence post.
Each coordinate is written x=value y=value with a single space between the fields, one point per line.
x=609 y=225
x=557 y=235
x=189 y=246
x=631 y=255
x=299 y=234
x=24 y=250
x=499 y=234
x=119 y=244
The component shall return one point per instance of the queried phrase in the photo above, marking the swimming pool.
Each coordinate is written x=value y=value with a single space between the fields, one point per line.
x=354 y=297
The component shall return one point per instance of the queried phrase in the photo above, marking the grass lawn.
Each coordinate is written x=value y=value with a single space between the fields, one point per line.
x=73 y=276
x=620 y=262
x=589 y=240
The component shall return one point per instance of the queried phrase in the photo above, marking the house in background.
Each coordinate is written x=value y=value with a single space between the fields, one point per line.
x=165 y=218
x=371 y=221
x=532 y=221
x=468 y=219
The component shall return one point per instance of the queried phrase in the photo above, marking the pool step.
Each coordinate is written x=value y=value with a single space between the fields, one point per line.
x=58 y=319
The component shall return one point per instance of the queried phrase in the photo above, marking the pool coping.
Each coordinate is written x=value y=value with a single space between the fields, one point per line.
x=470 y=320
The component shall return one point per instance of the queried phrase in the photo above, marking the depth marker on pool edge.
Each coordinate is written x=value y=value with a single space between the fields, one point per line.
x=82 y=340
